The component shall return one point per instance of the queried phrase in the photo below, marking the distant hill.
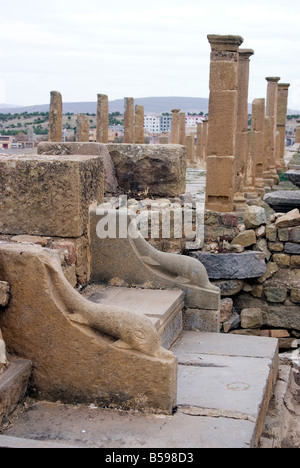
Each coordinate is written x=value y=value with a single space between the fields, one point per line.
x=152 y=105
x=155 y=105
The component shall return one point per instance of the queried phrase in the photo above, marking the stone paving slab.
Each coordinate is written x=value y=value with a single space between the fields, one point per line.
x=224 y=388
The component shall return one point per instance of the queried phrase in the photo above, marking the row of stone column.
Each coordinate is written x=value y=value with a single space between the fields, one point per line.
x=133 y=120
x=239 y=162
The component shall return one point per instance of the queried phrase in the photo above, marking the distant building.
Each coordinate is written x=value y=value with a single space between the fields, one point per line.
x=6 y=142
x=163 y=123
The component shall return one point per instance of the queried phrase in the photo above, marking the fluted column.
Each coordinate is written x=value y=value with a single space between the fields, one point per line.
x=220 y=178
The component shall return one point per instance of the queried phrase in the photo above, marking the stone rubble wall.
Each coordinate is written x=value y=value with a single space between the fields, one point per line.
x=266 y=304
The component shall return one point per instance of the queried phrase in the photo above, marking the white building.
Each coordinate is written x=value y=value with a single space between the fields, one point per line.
x=158 y=123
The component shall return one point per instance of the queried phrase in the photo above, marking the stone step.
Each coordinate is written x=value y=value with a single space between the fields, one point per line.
x=224 y=387
x=222 y=376
x=163 y=307
x=13 y=385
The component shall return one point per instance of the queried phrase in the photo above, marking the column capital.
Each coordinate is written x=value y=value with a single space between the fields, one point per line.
x=228 y=42
x=272 y=79
x=245 y=54
x=175 y=110
x=284 y=85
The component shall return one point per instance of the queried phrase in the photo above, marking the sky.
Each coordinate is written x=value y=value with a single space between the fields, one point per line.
x=139 y=48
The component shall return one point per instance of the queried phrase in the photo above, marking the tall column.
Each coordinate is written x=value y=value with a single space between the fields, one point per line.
x=297 y=133
x=242 y=126
x=204 y=136
x=55 y=116
x=271 y=111
x=83 y=128
x=257 y=128
x=102 y=118
x=182 y=128
x=283 y=91
x=139 y=124
x=268 y=179
x=190 y=149
x=199 y=146
x=175 y=126
x=128 y=120
x=220 y=175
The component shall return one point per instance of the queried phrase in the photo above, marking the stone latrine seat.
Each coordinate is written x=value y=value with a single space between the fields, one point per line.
x=86 y=350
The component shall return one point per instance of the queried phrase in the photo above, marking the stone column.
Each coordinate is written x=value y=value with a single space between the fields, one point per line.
x=268 y=179
x=182 y=128
x=257 y=128
x=297 y=133
x=55 y=117
x=83 y=128
x=102 y=118
x=163 y=140
x=220 y=175
x=175 y=126
x=271 y=111
x=242 y=126
x=283 y=91
x=204 y=136
x=190 y=150
x=128 y=120
x=199 y=146
x=139 y=124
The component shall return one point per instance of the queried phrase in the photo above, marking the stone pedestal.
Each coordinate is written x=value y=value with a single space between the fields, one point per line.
x=175 y=126
x=283 y=89
x=242 y=127
x=222 y=122
x=271 y=111
x=83 y=128
x=139 y=124
x=128 y=120
x=55 y=116
x=102 y=118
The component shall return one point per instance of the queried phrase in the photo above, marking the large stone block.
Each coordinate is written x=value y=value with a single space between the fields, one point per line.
x=87 y=149
x=158 y=170
x=220 y=183
x=48 y=196
x=233 y=266
x=222 y=118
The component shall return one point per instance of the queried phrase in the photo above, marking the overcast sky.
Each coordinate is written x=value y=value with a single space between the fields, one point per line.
x=139 y=48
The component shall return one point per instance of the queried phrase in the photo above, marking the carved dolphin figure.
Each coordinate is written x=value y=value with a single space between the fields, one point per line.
x=133 y=331
x=183 y=269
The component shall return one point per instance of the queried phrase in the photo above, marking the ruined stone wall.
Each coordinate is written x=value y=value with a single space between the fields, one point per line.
x=256 y=263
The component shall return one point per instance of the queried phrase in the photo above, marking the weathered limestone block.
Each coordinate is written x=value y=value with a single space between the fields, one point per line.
x=83 y=128
x=251 y=318
x=13 y=386
x=254 y=216
x=220 y=183
x=291 y=219
x=74 y=362
x=153 y=169
x=233 y=266
x=48 y=196
x=245 y=238
x=87 y=149
x=4 y=293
